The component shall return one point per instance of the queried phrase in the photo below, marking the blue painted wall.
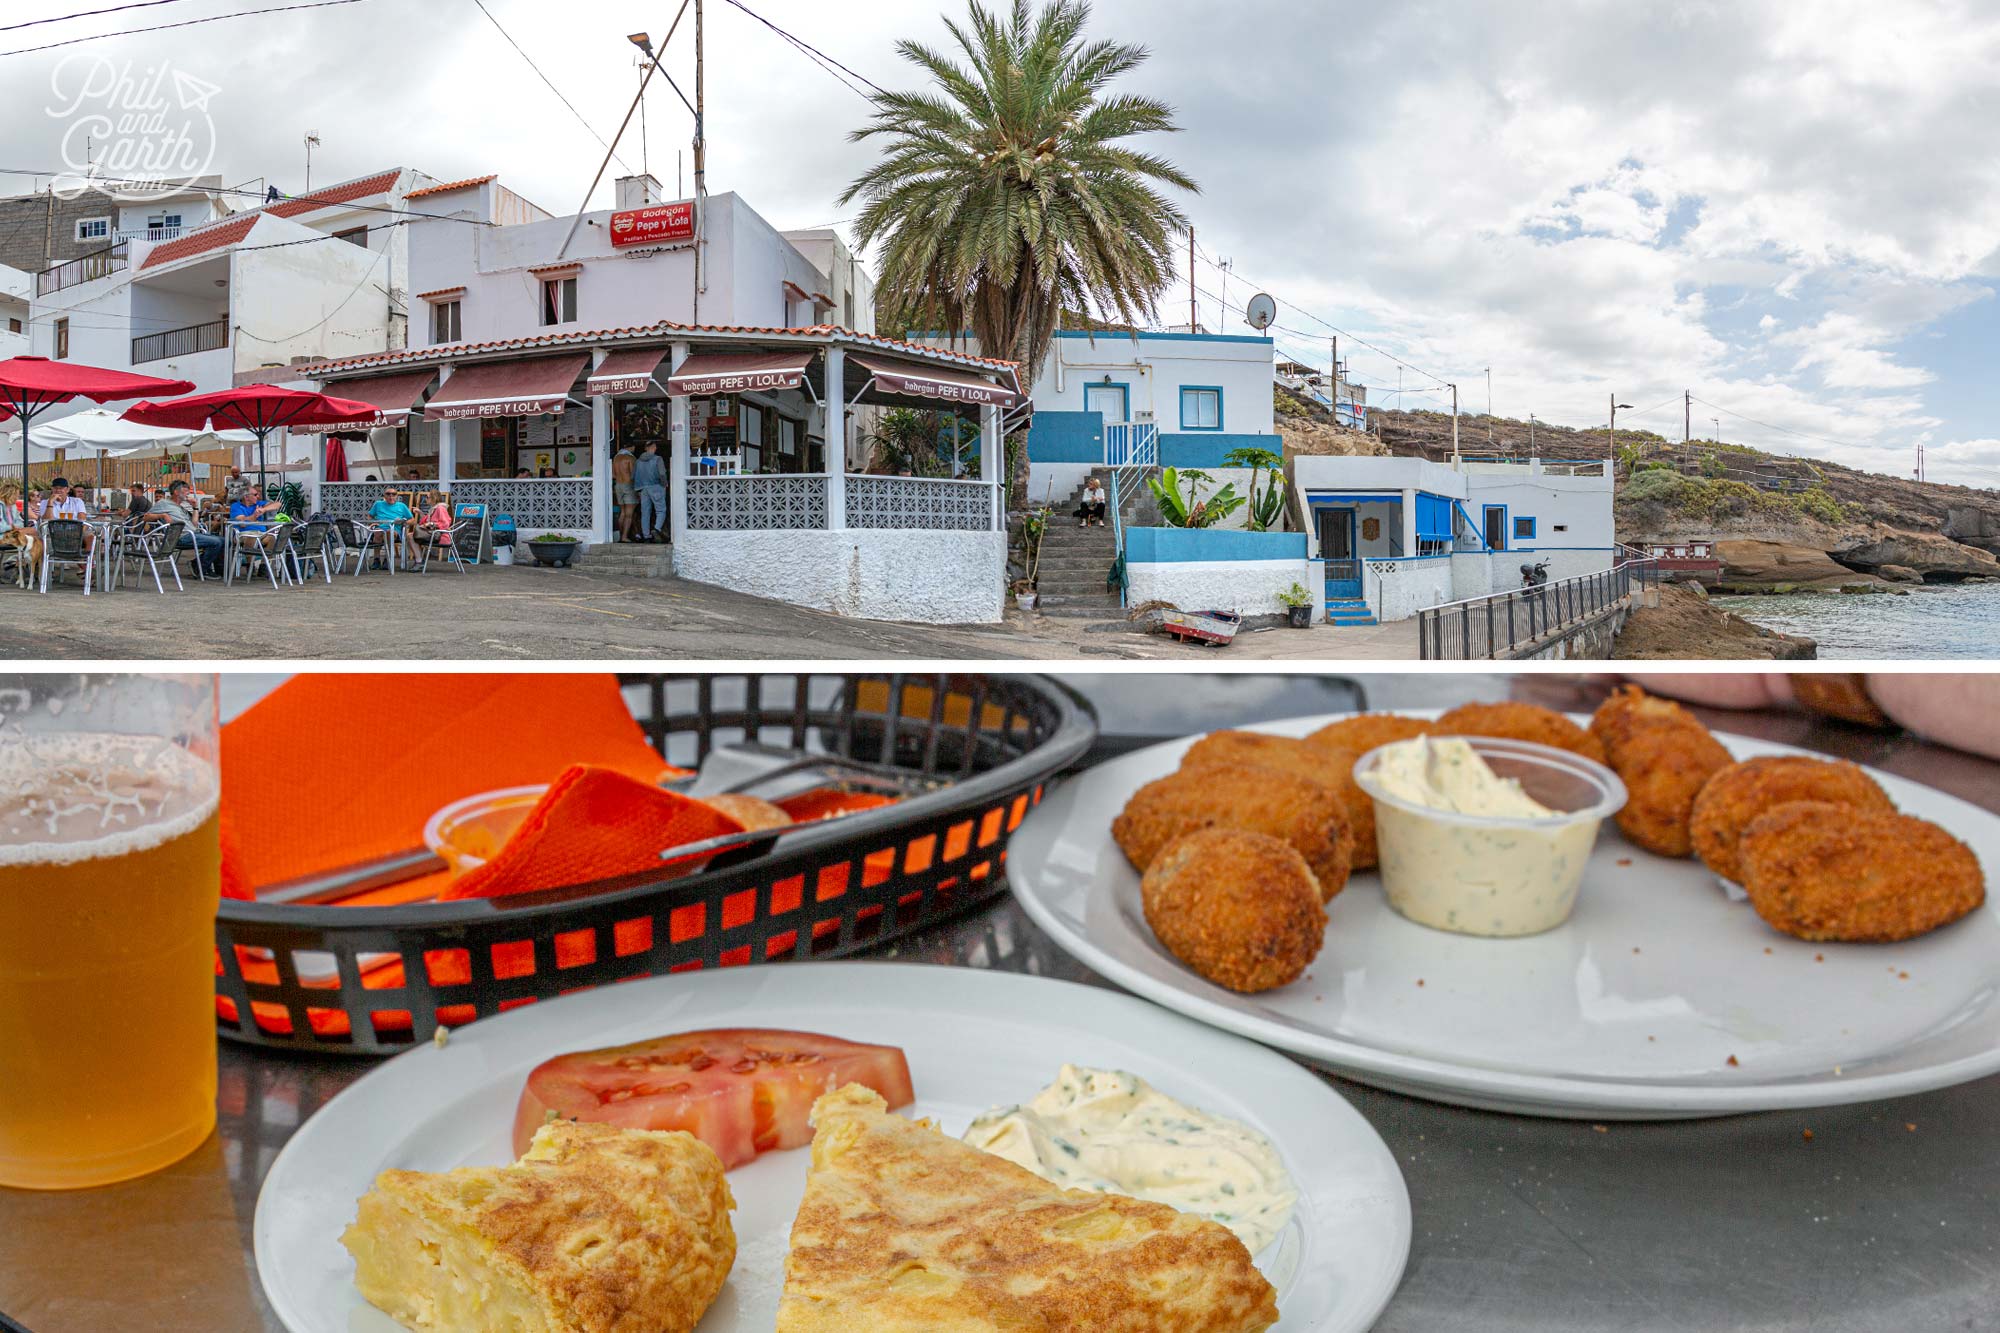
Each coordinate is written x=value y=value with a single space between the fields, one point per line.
x=1206 y=449
x=1066 y=437
x=1158 y=546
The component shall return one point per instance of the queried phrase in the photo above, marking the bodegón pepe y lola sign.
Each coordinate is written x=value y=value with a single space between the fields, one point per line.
x=661 y=224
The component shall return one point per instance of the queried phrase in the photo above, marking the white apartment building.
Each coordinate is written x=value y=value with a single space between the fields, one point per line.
x=15 y=304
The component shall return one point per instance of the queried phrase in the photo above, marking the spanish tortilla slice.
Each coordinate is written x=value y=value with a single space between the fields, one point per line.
x=904 y=1229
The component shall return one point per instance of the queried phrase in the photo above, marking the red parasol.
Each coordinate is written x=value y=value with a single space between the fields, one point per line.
x=336 y=459
x=258 y=408
x=30 y=385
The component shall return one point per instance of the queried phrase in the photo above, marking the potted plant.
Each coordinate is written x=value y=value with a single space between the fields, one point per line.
x=553 y=549
x=1298 y=605
x=1027 y=589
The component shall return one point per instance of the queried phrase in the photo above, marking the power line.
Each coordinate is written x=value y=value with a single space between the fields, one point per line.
x=87 y=13
x=184 y=23
x=552 y=87
x=818 y=56
x=1804 y=435
x=317 y=197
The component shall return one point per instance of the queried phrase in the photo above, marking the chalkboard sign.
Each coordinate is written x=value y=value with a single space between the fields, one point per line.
x=722 y=434
x=493 y=453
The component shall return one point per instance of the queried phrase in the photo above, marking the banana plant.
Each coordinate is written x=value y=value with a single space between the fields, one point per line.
x=1191 y=511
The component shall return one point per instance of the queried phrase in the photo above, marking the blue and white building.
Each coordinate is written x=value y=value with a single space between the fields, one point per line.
x=1391 y=536
x=1131 y=399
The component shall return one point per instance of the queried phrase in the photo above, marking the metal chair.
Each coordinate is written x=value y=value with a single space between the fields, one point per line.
x=360 y=540
x=455 y=541
x=63 y=543
x=310 y=542
x=153 y=545
x=268 y=547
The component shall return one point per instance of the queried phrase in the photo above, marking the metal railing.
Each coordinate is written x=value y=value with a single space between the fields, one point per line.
x=152 y=233
x=84 y=268
x=194 y=338
x=1500 y=624
x=1132 y=444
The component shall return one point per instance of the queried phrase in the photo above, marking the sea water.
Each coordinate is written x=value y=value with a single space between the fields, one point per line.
x=1939 y=620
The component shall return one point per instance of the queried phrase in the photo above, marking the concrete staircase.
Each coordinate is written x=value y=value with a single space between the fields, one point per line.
x=1076 y=560
x=631 y=560
x=1348 y=611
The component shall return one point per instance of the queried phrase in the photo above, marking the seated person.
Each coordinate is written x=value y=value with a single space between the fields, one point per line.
x=1094 y=500
x=35 y=508
x=62 y=502
x=138 y=506
x=253 y=516
x=206 y=545
x=391 y=513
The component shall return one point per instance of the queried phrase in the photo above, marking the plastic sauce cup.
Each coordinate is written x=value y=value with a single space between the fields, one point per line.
x=470 y=832
x=1493 y=875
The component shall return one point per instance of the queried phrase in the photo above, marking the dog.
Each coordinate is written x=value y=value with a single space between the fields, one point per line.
x=26 y=545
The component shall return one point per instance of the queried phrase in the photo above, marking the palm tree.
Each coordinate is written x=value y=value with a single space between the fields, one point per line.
x=1006 y=195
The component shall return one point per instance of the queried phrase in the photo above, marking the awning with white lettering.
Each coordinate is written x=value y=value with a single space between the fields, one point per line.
x=914 y=379
x=394 y=396
x=533 y=387
x=627 y=370
x=707 y=373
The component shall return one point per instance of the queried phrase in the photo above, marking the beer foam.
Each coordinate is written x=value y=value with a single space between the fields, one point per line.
x=90 y=796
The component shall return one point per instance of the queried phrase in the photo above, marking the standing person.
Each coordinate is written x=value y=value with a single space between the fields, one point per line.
x=206 y=545
x=651 y=478
x=235 y=485
x=1093 y=503
x=623 y=463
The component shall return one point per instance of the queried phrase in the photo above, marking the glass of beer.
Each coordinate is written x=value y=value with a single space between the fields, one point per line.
x=110 y=872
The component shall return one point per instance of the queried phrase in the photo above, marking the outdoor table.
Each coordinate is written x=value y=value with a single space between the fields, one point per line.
x=1519 y=1223
x=231 y=531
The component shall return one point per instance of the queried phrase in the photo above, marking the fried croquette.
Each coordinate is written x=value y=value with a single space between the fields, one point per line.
x=1241 y=908
x=1262 y=800
x=1349 y=739
x=1521 y=722
x=752 y=812
x=1286 y=753
x=1738 y=794
x=1835 y=872
x=1664 y=756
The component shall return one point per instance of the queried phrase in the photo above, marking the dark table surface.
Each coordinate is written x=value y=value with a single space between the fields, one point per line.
x=1888 y=1218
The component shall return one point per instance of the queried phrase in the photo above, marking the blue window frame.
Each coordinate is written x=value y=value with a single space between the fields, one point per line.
x=1201 y=407
x=1524 y=528
x=1494 y=530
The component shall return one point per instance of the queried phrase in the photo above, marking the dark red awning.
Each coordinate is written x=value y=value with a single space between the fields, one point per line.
x=627 y=370
x=532 y=387
x=393 y=396
x=944 y=383
x=707 y=373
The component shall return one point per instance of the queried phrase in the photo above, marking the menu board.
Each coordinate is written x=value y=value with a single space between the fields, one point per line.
x=493 y=452
x=721 y=434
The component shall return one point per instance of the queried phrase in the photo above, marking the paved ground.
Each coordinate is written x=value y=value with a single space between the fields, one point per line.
x=530 y=614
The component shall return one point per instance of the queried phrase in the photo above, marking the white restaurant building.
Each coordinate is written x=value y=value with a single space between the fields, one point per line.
x=547 y=343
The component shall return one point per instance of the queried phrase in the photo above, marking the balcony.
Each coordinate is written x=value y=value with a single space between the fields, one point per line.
x=153 y=233
x=86 y=268
x=181 y=342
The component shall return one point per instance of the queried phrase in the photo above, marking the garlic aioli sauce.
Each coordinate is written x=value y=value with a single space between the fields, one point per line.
x=1473 y=879
x=1114 y=1133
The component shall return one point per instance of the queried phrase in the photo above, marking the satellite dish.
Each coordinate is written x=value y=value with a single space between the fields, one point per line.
x=1261 y=311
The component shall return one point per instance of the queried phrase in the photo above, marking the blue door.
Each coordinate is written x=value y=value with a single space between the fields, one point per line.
x=1336 y=546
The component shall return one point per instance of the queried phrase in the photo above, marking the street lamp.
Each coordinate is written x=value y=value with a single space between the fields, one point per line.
x=1615 y=406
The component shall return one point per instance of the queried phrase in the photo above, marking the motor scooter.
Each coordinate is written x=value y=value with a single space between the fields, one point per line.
x=1535 y=575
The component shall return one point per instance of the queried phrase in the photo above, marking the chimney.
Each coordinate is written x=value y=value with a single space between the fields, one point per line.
x=637 y=191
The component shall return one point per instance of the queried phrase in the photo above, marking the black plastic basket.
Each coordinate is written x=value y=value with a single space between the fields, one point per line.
x=372 y=980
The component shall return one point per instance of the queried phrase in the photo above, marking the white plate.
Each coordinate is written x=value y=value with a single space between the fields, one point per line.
x=1633 y=1009
x=974 y=1039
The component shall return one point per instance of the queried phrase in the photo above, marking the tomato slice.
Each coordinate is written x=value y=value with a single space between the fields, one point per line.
x=742 y=1091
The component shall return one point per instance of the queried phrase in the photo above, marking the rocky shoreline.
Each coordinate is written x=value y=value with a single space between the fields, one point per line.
x=1686 y=626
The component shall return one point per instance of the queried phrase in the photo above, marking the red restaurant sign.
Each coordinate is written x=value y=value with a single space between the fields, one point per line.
x=662 y=224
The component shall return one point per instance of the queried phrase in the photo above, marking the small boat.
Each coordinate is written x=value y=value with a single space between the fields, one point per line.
x=1216 y=628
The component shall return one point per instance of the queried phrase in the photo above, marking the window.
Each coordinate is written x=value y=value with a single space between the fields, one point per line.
x=1201 y=408
x=444 y=322
x=93 y=229
x=559 y=301
x=13 y=326
x=353 y=236
x=62 y=339
x=1524 y=529
x=163 y=226
x=1559 y=527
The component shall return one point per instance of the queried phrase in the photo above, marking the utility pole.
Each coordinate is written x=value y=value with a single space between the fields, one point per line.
x=1687 y=416
x=1716 y=438
x=1615 y=405
x=312 y=142
x=1454 y=424
x=1531 y=434
x=1333 y=378
x=1194 y=314
x=1489 y=409
x=701 y=177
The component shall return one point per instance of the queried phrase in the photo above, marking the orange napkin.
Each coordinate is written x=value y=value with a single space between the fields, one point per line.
x=827 y=802
x=591 y=824
x=333 y=769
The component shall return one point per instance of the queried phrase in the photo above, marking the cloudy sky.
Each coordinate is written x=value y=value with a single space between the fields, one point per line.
x=1789 y=207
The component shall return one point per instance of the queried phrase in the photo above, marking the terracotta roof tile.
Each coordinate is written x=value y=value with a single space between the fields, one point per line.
x=449 y=186
x=218 y=235
x=345 y=193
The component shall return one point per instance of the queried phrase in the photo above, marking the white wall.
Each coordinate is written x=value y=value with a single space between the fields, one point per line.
x=1582 y=505
x=1316 y=472
x=1247 y=587
x=328 y=299
x=1398 y=589
x=936 y=577
x=1154 y=367
x=15 y=304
